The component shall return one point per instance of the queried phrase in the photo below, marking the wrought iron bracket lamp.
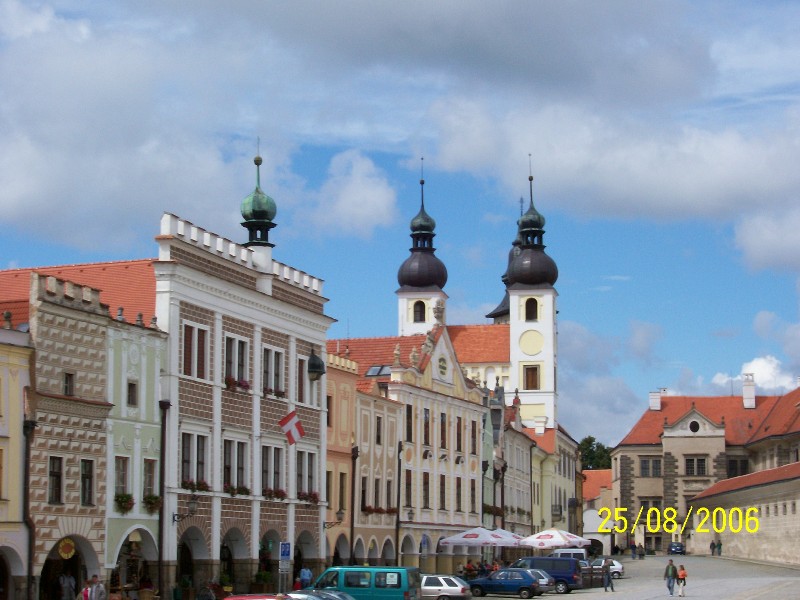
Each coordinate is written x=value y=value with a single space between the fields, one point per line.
x=339 y=517
x=178 y=517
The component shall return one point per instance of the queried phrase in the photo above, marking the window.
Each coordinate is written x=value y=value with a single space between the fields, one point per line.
x=329 y=414
x=408 y=487
x=378 y=430
x=409 y=423
x=301 y=380
x=363 y=493
x=458 y=494
x=328 y=489
x=532 y=377
x=234 y=463
x=195 y=351
x=69 y=384
x=133 y=394
x=650 y=467
x=121 y=475
x=419 y=311
x=737 y=466
x=442 y=492
x=459 y=427
x=342 y=490
x=271 y=462
x=306 y=471
x=426 y=426
x=87 y=482
x=473 y=437
x=376 y=493
x=55 y=479
x=695 y=466
x=235 y=359
x=473 y=496
x=149 y=477
x=531 y=310
x=426 y=489
x=389 y=498
x=193 y=457
x=272 y=370
x=443 y=430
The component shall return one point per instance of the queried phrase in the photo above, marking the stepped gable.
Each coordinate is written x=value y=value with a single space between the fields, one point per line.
x=740 y=422
x=594 y=481
x=130 y=284
x=751 y=480
x=481 y=343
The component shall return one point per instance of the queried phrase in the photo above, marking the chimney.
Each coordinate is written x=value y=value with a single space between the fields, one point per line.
x=748 y=390
x=655 y=399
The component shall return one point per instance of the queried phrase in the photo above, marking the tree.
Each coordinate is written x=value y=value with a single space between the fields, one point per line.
x=594 y=455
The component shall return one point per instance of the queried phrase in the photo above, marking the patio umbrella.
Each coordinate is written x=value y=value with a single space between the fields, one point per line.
x=480 y=536
x=554 y=538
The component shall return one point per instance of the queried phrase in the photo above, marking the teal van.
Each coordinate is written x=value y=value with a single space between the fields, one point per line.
x=373 y=583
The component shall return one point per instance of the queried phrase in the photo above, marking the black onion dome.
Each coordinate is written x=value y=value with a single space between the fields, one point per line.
x=532 y=267
x=422 y=270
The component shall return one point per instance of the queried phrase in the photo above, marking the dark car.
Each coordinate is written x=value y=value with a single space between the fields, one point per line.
x=676 y=548
x=507 y=582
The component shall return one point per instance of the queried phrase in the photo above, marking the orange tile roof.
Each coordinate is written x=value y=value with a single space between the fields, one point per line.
x=377 y=351
x=594 y=481
x=783 y=418
x=546 y=441
x=757 y=479
x=740 y=422
x=19 y=309
x=481 y=343
x=130 y=284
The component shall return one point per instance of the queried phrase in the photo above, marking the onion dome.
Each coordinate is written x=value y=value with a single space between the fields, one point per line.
x=532 y=266
x=258 y=210
x=422 y=270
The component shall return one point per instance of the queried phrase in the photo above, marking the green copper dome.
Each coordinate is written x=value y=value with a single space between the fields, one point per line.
x=258 y=206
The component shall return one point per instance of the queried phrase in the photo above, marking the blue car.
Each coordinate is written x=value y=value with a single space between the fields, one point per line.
x=507 y=582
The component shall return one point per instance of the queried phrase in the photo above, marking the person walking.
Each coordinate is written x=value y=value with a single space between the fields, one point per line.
x=712 y=546
x=84 y=593
x=67 y=583
x=681 y=581
x=640 y=551
x=719 y=547
x=608 y=580
x=305 y=577
x=97 y=591
x=670 y=575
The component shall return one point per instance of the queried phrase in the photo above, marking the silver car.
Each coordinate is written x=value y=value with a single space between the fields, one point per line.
x=444 y=587
x=547 y=582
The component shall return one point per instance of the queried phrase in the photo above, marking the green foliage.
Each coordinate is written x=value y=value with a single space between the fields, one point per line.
x=594 y=455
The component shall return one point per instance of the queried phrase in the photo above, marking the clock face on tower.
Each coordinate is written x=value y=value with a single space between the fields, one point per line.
x=442 y=366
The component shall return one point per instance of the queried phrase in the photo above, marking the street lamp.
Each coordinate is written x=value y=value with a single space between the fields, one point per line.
x=316 y=368
x=178 y=517
x=339 y=517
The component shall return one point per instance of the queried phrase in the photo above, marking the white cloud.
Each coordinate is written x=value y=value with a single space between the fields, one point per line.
x=769 y=239
x=768 y=373
x=643 y=339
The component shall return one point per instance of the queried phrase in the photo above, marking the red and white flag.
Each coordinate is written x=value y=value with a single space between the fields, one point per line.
x=292 y=427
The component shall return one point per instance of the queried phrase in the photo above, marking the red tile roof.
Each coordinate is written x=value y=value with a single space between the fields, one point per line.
x=481 y=343
x=130 y=284
x=594 y=481
x=377 y=351
x=759 y=478
x=740 y=423
x=546 y=441
x=783 y=418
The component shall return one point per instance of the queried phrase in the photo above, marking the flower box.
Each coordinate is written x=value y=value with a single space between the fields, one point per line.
x=124 y=502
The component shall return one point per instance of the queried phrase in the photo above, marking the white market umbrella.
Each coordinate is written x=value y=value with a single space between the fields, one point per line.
x=554 y=538
x=480 y=536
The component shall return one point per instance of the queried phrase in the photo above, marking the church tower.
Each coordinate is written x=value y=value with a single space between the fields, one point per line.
x=529 y=307
x=420 y=297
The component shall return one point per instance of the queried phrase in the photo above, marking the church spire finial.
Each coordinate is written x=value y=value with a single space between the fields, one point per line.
x=422 y=181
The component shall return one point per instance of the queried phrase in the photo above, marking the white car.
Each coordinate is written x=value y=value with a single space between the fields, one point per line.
x=617 y=570
x=444 y=587
x=547 y=582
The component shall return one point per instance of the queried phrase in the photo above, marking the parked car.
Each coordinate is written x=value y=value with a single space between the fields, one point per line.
x=617 y=569
x=444 y=587
x=579 y=553
x=566 y=571
x=521 y=582
x=676 y=548
x=372 y=583
x=547 y=582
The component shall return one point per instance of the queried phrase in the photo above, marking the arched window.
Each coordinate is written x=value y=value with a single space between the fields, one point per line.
x=419 y=311
x=531 y=309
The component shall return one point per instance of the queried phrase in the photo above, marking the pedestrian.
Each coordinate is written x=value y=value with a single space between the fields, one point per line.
x=495 y=565
x=297 y=585
x=67 y=583
x=460 y=570
x=719 y=547
x=681 y=580
x=608 y=580
x=469 y=569
x=670 y=575
x=640 y=551
x=305 y=577
x=712 y=546
x=84 y=593
x=97 y=591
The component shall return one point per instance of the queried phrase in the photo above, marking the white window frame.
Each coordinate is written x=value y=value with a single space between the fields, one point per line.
x=193 y=455
x=274 y=377
x=194 y=361
x=306 y=467
x=233 y=365
x=122 y=483
x=236 y=446
x=276 y=478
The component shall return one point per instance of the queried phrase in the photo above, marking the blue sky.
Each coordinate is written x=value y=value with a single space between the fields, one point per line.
x=664 y=139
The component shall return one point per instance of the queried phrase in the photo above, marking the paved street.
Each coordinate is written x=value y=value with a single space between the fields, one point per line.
x=707 y=578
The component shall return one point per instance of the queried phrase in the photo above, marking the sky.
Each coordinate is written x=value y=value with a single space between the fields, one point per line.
x=663 y=137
